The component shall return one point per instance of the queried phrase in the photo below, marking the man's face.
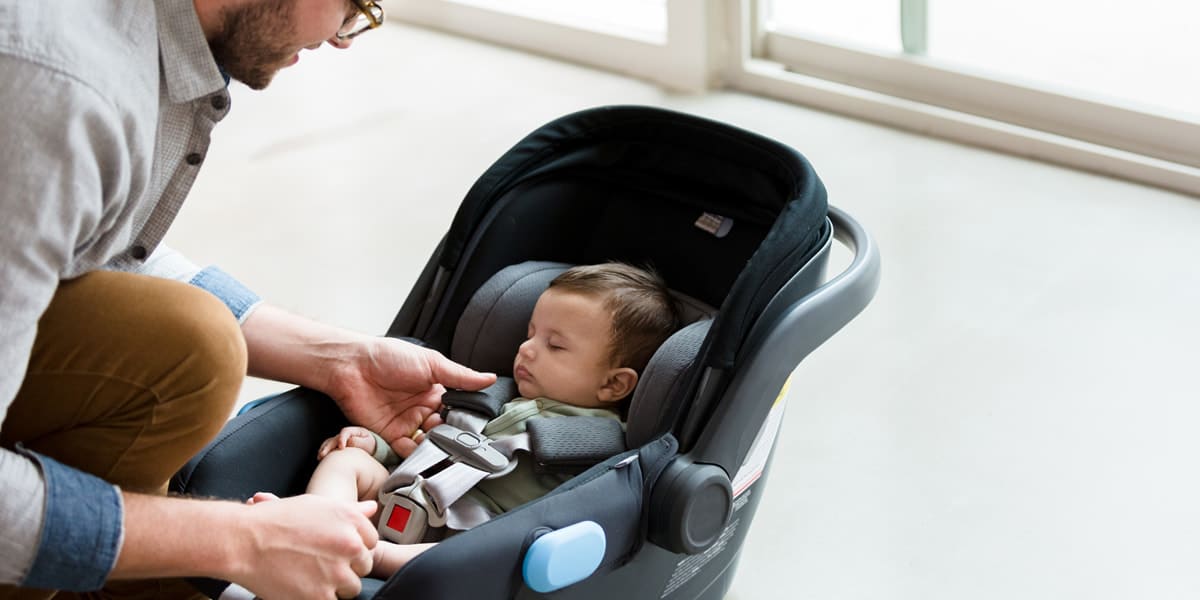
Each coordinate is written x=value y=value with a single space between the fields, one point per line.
x=257 y=39
x=566 y=356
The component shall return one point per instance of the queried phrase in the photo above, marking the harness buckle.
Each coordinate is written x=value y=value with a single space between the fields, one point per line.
x=408 y=513
x=472 y=449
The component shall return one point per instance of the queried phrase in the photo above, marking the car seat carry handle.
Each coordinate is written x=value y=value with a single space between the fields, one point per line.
x=774 y=349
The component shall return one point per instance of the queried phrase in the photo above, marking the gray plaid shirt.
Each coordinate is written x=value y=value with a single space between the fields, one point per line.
x=108 y=107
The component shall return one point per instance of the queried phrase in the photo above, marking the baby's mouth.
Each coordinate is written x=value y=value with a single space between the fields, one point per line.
x=521 y=373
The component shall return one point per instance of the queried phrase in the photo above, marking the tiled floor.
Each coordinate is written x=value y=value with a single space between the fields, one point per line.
x=1013 y=417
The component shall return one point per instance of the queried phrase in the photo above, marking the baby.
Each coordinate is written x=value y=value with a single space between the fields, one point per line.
x=591 y=333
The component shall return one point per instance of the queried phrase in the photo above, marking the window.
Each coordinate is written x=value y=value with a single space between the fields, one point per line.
x=649 y=39
x=637 y=19
x=1105 y=86
x=1102 y=85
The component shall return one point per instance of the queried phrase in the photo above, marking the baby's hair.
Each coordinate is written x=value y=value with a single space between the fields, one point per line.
x=643 y=312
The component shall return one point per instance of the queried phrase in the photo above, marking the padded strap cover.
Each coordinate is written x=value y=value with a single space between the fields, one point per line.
x=486 y=401
x=574 y=442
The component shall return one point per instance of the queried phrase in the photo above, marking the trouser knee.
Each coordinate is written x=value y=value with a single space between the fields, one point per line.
x=129 y=377
x=211 y=350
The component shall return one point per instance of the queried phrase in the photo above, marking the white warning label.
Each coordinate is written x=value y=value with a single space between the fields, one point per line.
x=690 y=566
x=760 y=448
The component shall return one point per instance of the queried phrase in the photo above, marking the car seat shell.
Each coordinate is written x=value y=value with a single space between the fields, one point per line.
x=627 y=183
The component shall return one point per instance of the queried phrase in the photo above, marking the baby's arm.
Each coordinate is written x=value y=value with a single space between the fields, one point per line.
x=348 y=437
x=388 y=557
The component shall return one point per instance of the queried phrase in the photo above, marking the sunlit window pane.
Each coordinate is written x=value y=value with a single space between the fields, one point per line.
x=635 y=18
x=1143 y=52
x=870 y=24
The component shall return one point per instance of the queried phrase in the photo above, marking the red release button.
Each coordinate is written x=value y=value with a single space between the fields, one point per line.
x=398 y=520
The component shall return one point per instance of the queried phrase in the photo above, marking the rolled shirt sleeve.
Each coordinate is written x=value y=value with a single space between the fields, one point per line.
x=169 y=263
x=81 y=533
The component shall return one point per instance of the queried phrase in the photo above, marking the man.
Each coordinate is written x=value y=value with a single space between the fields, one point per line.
x=119 y=359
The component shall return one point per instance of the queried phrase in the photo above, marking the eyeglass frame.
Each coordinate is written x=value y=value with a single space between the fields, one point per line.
x=366 y=8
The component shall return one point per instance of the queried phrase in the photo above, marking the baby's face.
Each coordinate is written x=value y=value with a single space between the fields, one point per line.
x=566 y=356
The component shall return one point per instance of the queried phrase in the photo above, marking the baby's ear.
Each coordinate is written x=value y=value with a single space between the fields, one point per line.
x=620 y=383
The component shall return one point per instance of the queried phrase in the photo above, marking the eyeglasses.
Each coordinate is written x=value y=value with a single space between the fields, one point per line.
x=367 y=15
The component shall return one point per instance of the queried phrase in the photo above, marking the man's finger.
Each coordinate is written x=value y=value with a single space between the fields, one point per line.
x=431 y=421
x=349 y=587
x=361 y=565
x=367 y=531
x=404 y=446
x=454 y=375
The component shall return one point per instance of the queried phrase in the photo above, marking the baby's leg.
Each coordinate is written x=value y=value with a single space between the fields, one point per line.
x=348 y=474
x=389 y=557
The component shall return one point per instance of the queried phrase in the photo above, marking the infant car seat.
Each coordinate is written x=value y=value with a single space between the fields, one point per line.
x=735 y=223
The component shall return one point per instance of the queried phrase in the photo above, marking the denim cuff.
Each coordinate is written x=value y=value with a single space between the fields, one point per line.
x=236 y=296
x=81 y=532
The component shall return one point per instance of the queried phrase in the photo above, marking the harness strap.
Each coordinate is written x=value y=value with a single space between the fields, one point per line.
x=466 y=420
x=447 y=486
x=445 y=489
x=452 y=483
x=425 y=456
x=466 y=514
x=440 y=498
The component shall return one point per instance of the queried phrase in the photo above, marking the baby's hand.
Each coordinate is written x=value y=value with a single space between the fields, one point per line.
x=348 y=437
x=261 y=497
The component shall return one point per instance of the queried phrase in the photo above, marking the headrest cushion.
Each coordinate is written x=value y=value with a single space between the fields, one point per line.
x=495 y=321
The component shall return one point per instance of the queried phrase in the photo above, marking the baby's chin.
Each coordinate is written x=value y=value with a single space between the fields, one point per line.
x=526 y=390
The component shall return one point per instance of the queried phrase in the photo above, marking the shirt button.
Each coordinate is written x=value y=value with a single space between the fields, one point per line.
x=194 y=158
x=138 y=252
x=219 y=102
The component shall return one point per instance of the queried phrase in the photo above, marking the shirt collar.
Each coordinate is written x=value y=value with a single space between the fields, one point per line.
x=187 y=62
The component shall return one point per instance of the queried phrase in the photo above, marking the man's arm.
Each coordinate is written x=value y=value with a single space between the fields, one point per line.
x=62 y=166
x=21 y=508
x=302 y=547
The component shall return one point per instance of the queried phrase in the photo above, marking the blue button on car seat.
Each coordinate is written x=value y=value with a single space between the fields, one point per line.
x=563 y=557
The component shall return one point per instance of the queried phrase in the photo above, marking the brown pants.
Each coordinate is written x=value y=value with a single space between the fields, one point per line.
x=130 y=376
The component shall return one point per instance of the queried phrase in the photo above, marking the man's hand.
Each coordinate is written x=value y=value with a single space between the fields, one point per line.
x=386 y=385
x=306 y=547
x=348 y=437
x=394 y=388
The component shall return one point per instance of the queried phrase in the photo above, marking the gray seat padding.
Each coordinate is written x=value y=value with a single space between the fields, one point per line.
x=658 y=397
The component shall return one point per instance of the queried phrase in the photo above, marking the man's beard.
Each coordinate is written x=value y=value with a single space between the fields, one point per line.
x=251 y=46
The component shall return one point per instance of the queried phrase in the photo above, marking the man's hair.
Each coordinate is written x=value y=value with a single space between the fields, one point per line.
x=643 y=312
